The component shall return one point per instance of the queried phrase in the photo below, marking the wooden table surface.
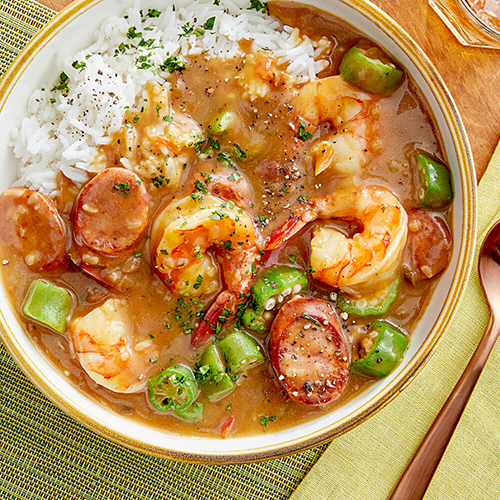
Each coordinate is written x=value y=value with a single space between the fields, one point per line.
x=472 y=75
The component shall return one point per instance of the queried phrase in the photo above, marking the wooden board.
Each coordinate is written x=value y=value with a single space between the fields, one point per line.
x=472 y=75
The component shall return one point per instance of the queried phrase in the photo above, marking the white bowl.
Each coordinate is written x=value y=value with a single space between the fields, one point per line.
x=73 y=30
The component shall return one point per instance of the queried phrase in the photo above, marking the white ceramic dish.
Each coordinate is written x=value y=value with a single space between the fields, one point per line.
x=37 y=64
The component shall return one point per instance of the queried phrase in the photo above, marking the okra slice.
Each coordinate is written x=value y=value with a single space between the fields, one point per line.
x=173 y=389
x=436 y=190
x=378 y=356
x=48 y=304
x=221 y=123
x=376 y=304
x=273 y=287
x=240 y=351
x=211 y=374
x=192 y=414
x=366 y=69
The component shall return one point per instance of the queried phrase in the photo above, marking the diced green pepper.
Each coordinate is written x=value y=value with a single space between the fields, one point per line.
x=271 y=288
x=369 y=73
x=192 y=414
x=173 y=389
x=48 y=304
x=211 y=375
x=376 y=304
x=221 y=123
x=384 y=354
x=435 y=181
x=240 y=352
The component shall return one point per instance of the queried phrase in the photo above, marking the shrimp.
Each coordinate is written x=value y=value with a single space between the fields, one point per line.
x=102 y=342
x=156 y=141
x=367 y=259
x=181 y=236
x=350 y=113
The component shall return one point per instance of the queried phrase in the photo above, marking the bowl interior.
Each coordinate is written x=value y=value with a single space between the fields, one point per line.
x=39 y=66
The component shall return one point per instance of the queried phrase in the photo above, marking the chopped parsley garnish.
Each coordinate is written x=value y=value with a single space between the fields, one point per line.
x=292 y=257
x=153 y=13
x=214 y=143
x=234 y=177
x=226 y=159
x=199 y=32
x=199 y=281
x=181 y=302
x=229 y=407
x=187 y=29
x=78 y=65
x=200 y=186
x=209 y=23
x=301 y=199
x=133 y=33
x=63 y=83
x=258 y=6
x=264 y=420
x=168 y=119
x=144 y=62
x=240 y=153
x=158 y=181
x=172 y=63
x=137 y=255
x=123 y=188
x=303 y=134
x=217 y=215
x=311 y=319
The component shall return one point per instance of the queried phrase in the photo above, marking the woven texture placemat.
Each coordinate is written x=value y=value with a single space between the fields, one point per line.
x=44 y=454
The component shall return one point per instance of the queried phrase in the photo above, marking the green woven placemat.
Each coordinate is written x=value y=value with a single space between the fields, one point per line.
x=44 y=454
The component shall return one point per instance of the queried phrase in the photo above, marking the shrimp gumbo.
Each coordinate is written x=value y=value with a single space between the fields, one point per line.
x=252 y=243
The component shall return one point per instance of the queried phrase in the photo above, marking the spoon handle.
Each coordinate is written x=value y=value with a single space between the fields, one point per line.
x=413 y=484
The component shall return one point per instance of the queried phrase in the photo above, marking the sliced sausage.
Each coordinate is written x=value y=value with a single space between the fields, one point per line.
x=428 y=249
x=111 y=212
x=309 y=352
x=32 y=227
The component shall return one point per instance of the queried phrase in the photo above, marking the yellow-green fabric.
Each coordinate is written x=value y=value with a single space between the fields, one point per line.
x=367 y=462
x=45 y=455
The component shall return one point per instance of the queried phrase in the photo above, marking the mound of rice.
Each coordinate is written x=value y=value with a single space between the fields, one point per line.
x=68 y=120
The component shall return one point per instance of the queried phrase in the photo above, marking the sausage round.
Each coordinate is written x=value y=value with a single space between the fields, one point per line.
x=111 y=212
x=309 y=352
x=428 y=249
x=32 y=227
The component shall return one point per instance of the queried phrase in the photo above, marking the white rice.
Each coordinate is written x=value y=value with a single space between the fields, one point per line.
x=63 y=130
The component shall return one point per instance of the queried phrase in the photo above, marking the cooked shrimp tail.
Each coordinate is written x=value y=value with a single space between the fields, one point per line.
x=239 y=273
x=288 y=229
x=219 y=312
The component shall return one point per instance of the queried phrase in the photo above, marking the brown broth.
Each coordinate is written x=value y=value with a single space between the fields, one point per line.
x=279 y=173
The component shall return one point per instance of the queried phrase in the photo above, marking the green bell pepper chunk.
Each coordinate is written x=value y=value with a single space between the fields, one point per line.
x=173 y=389
x=435 y=181
x=271 y=288
x=240 y=352
x=211 y=375
x=221 y=123
x=369 y=73
x=48 y=304
x=192 y=414
x=374 y=305
x=385 y=353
